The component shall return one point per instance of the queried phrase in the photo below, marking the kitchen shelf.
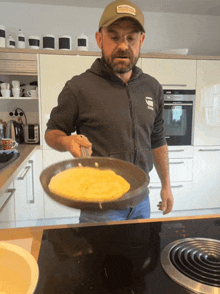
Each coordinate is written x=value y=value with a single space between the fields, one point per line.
x=31 y=55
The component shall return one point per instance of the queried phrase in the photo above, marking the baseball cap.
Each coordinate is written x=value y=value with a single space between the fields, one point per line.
x=118 y=9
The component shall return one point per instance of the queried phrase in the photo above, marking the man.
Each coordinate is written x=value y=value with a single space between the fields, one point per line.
x=116 y=109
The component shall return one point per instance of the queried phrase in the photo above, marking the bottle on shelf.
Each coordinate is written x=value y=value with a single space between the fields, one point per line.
x=20 y=40
x=82 y=43
x=2 y=36
x=10 y=42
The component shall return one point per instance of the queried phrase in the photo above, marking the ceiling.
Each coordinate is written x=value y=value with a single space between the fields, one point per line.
x=200 y=7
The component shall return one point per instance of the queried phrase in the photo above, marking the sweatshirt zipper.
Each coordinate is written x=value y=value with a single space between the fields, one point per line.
x=133 y=123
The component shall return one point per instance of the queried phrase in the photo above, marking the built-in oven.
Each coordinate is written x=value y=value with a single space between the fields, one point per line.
x=179 y=116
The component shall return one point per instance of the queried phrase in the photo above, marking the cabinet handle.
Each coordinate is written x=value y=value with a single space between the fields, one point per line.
x=181 y=150
x=175 y=85
x=179 y=186
x=154 y=187
x=179 y=162
x=33 y=199
x=22 y=178
x=209 y=149
x=177 y=104
x=11 y=191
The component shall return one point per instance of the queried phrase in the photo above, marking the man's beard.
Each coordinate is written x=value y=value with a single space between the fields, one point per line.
x=120 y=67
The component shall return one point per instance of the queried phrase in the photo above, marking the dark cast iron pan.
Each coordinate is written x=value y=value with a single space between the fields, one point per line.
x=135 y=176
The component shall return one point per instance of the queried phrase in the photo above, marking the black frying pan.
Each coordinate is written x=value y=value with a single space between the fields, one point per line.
x=135 y=176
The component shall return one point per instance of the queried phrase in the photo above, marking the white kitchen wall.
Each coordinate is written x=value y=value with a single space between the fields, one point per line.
x=163 y=30
x=29 y=106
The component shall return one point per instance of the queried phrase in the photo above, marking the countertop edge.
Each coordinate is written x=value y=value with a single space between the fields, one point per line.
x=37 y=232
x=32 y=54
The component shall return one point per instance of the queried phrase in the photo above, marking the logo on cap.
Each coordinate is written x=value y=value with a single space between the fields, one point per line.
x=126 y=9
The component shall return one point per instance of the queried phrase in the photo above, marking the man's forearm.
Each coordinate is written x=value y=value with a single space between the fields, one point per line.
x=161 y=162
x=52 y=138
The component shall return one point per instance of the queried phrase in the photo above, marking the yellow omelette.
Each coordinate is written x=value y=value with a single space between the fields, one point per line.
x=89 y=184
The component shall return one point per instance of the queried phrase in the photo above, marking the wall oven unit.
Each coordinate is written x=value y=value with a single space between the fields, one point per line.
x=179 y=116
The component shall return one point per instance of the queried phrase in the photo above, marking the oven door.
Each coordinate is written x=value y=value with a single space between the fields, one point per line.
x=178 y=123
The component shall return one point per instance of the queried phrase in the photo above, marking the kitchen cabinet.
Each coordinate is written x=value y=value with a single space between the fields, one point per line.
x=180 y=152
x=51 y=84
x=180 y=171
x=7 y=208
x=171 y=73
x=18 y=64
x=207 y=108
x=55 y=71
x=181 y=185
x=52 y=208
x=180 y=165
x=206 y=177
x=181 y=177
x=182 y=194
x=29 y=193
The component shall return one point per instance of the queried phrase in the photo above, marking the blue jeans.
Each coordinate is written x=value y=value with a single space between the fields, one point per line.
x=141 y=211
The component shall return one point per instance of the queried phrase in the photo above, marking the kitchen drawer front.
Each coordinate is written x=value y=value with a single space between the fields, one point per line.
x=206 y=176
x=180 y=171
x=182 y=194
x=18 y=67
x=180 y=151
x=7 y=205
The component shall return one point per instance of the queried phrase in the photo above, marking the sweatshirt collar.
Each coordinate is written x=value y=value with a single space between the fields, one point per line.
x=99 y=68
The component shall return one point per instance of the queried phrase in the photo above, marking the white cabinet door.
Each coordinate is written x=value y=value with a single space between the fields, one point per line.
x=180 y=171
x=206 y=177
x=52 y=208
x=181 y=175
x=207 y=112
x=171 y=73
x=29 y=193
x=55 y=71
x=36 y=196
x=182 y=194
x=7 y=208
x=180 y=152
x=22 y=210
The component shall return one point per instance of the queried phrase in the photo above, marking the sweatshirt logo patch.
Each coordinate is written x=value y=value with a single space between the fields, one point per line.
x=150 y=103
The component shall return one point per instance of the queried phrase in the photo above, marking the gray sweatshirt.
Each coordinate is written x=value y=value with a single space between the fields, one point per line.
x=123 y=121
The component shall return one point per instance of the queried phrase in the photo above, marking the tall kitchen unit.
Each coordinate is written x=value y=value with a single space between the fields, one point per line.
x=55 y=71
x=206 y=171
x=207 y=116
x=21 y=204
x=174 y=74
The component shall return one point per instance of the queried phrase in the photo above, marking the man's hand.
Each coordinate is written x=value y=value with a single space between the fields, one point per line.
x=161 y=162
x=73 y=144
x=59 y=141
x=166 y=204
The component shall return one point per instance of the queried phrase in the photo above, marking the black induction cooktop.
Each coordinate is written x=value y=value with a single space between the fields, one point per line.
x=118 y=259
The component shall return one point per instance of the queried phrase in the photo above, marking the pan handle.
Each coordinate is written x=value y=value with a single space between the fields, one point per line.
x=84 y=152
